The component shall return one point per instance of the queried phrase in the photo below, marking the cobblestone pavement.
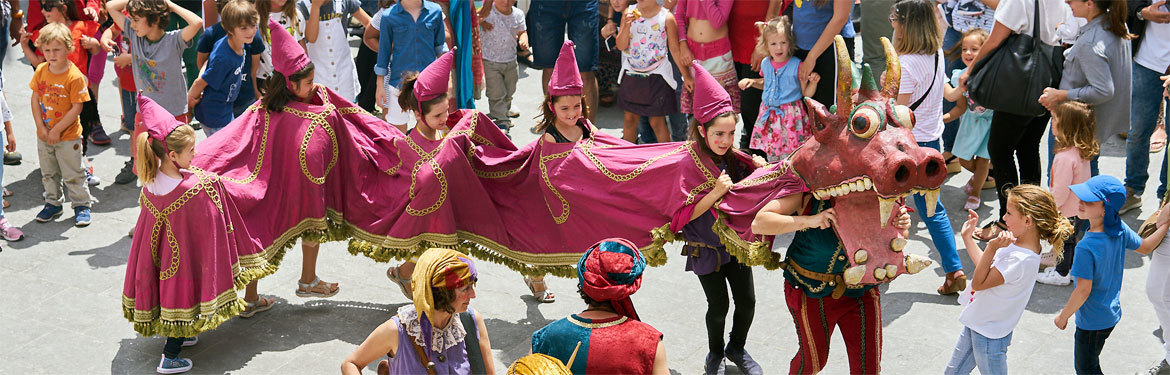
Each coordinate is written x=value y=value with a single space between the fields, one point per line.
x=61 y=309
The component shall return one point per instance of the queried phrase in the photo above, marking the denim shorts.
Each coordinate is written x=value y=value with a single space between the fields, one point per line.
x=547 y=23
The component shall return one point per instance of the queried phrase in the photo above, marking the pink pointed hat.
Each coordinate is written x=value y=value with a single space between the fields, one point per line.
x=434 y=80
x=288 y=57
x=566 y=77
x=710 y=98
x=158 y=121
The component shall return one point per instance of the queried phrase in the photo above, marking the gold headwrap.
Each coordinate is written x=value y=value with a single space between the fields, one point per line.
x=439 y=268
x=538 y=364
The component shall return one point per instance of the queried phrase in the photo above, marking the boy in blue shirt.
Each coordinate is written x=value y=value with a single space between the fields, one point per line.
x=412 y=35
x=249 y=92
x=1098 y=268
x=214 y=93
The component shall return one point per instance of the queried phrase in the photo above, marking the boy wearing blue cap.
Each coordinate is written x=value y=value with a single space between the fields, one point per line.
x=1098 y=268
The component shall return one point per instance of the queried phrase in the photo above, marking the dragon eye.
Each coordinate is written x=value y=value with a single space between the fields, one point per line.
x=903 y=116
x=865 y=123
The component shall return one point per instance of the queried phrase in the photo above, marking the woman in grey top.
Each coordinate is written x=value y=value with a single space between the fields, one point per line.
x=1097 y=69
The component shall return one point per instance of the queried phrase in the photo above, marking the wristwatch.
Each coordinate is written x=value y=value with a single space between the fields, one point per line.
x=1139 y=15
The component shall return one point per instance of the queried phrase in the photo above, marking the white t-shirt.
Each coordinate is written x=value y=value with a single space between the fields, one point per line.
x=162 y=184
x=995 y=312
x=1154 y=53
x=1017 y=15
x=920 y=72
x=264 y=70
x=376 y=20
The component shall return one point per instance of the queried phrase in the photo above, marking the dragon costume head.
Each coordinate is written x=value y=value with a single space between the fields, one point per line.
x=863 y=158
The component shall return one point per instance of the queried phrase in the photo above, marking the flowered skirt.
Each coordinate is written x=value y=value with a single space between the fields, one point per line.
x=780 y=130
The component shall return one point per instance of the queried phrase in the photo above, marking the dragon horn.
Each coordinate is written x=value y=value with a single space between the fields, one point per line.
x=893 y=70
x=844 y=79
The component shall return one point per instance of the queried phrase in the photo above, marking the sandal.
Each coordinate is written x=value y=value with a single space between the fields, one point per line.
x=7 y=193
x=953 y=165
x=403 y=283
x=953 y=285
x=306 y=290
x=990 y=231
x=1158 y=141
x=7 y=203
x=973 y=202
x=544 y=296
x=260 y=305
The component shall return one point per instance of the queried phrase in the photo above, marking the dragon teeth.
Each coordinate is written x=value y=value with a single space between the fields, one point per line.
x=867 y=183
x=931 y=199
x=885 y=207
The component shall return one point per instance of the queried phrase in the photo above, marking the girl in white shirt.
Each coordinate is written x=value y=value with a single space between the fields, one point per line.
x=1004 y=277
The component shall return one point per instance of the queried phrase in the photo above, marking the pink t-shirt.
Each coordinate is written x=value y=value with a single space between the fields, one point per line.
x=1068 y=168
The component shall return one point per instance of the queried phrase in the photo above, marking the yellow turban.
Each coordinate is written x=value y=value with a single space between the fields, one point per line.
x=439 y=268
x=538 y=364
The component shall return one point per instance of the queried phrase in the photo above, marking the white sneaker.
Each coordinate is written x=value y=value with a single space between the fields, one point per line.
x=1051 y=277
x=91 y=179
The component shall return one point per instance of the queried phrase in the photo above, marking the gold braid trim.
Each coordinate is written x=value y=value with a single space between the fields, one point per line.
x=429 y=159
x=183 y=322
x=162 y=219
x=702 y=168
x=564 y=216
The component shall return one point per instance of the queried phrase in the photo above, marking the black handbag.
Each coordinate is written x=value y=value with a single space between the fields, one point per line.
x=1013 y=76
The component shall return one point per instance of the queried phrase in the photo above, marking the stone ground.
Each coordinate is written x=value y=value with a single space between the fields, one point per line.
x=62 y=314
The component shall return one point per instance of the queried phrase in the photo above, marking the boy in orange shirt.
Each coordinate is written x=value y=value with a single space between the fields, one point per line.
x=59 y=89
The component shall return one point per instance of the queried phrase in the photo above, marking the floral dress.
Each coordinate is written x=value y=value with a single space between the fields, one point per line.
x=783 y=123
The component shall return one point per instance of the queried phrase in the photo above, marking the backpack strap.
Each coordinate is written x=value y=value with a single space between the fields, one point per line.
x=471 y=342
x=928 y=88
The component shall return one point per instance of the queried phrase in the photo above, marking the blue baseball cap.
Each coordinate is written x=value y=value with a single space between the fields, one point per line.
x=1107 y=189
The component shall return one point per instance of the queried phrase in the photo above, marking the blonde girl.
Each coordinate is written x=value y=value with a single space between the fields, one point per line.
x=1003 y=279
x=975 y=120
x=1073 y=126
x=783 y=123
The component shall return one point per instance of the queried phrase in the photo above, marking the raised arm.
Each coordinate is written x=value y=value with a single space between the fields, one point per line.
x=194 y=23
x=114 y=9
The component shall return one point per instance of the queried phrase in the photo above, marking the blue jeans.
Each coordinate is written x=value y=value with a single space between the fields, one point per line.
x=939 y=226
x=973 y=349
x=1087 y=345
x=1147 y=99
x=129 y=108
x=548 y=20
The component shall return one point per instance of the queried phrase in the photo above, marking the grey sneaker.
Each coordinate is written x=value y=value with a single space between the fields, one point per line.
x=174 y=366
x=1132 y=200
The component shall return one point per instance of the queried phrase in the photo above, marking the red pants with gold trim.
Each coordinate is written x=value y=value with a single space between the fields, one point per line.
x=860 y=321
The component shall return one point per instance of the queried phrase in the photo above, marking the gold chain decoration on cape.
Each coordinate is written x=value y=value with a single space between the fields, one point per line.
x=564 y=216
x=637 y=171
x=259 y=158
x=784 y=169
x=316 y=120
x=702 y=168
x=162 y=218
x=429 y=159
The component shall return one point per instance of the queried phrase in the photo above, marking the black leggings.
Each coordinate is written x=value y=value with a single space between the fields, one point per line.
x=365 y=60
x=743 y=290
x=1015 y=138
x=89 y=118
x=749 y=107
x=172 y=347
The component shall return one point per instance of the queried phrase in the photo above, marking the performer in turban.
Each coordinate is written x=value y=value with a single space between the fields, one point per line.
x=613 y=339
x=439 y=333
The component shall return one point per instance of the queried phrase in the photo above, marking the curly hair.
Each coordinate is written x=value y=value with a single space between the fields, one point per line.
x=154 y=11
x=1076 y=126
x=1038 y=204
x=779 y=26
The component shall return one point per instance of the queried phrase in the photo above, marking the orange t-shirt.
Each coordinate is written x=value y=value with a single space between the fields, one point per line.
x=58 y=93
x=79 y=56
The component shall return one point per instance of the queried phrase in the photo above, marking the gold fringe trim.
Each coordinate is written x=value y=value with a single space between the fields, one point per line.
x=183 y=322
x=755 y=253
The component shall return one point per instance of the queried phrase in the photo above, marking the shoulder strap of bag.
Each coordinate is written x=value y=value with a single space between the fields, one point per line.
x=928 y=88
x=471 y=342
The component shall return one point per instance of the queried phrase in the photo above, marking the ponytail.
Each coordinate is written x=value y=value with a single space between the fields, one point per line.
x=275 y=91
x=151 y=152
x=1038 y=204
x=408 y=102
x=1115 y=12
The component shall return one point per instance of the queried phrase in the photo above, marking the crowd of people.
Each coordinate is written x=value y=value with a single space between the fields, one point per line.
x=691 y=71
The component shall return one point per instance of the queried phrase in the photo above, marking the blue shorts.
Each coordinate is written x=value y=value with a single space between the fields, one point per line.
x=547 y=21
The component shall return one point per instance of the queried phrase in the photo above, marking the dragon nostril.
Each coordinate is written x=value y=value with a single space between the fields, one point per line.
x=933 y=167
x=902 y=174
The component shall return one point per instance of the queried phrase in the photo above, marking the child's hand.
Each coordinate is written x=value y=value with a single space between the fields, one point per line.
x=629 y=17
x=108 y=44
x=813 y=79
x=902 y=221
x=523 y=41
x=53 y=137
x=947 y=117
x=745 y=83
x=823 y=220
x=759 y=161
x=722 y=185
x=122 y=60
x=1004 y=238
x=91 y=13
x=10 y=142
x=970 y=225
x=1061 y=321
x=193 y=98
x=42 y=133
x=689 y=83
x=1164 y=215
x=25 y=36
x=89 y=43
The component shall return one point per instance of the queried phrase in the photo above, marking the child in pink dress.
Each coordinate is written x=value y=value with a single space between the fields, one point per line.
x=783 y=123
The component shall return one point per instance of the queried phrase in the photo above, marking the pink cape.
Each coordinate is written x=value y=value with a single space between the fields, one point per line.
x=191 y=251
x=535 y=209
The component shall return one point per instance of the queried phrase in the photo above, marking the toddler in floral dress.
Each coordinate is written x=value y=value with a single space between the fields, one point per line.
x=783 y=123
